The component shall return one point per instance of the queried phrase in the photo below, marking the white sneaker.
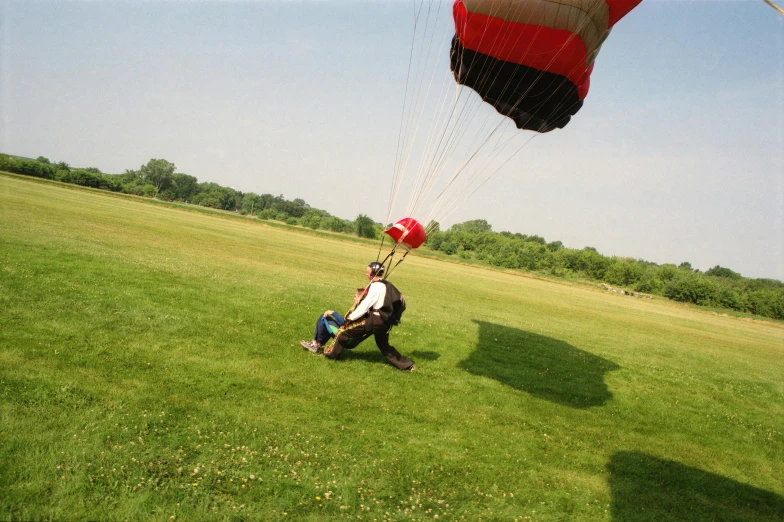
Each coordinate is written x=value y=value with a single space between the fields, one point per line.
x=310 y=346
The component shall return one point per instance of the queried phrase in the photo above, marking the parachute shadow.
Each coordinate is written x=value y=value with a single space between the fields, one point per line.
x=542 y=366
x=645 y=488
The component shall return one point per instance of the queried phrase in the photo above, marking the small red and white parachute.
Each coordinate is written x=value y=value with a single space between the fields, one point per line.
x=407 y=233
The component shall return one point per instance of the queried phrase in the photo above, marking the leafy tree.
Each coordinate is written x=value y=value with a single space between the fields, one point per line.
x=158 y=173
x=474 y=226
x=311 y=220
x=624 y=272
x=41 y=159
x=718 y=271
x=554 y=246
x=667 y=272
x=215 y=196
x=289 y=208
x=335 y=224
x=266 y=201
x=6 y=163
x=183 y=187
x=365 y=227
x=693 y=289
x=251 y=204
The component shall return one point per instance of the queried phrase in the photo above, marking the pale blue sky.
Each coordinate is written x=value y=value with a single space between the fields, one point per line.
x=677 y=155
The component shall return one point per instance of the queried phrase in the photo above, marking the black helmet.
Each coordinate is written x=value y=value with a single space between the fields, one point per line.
x=376 y=269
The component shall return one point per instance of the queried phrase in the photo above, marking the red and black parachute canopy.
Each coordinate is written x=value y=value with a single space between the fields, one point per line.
x=532 y=59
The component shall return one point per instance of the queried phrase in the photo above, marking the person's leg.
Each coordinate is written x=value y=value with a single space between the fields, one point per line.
x=381 y=336
x=346 y=338
x=322 y=331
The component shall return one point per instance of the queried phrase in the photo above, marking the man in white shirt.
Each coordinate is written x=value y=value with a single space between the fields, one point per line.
x=366 y=319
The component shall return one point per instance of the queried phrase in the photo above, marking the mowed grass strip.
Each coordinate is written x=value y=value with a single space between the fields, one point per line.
x=150 y=368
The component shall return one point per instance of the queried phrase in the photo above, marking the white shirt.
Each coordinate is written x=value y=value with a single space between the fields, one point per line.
x=372 y=301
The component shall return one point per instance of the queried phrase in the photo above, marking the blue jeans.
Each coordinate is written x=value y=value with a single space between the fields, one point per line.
x=326 y=327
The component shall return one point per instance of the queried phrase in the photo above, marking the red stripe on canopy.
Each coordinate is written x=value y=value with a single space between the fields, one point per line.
x=556 y=51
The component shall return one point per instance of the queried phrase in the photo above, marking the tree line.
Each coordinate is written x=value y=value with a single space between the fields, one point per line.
x=475 y=241
x=471 y=241
x=159 y=179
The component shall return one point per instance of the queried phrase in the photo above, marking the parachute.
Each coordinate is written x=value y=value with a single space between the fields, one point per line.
x=531 y=59
x=408 y=233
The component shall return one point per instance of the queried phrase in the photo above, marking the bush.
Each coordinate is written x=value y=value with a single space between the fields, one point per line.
x=695 y=289
x=311 y=221
x=334 y=224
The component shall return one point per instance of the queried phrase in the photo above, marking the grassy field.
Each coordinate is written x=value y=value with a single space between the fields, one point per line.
x=150 y=369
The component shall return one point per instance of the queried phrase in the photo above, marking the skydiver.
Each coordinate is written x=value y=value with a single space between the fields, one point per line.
x=370 y=315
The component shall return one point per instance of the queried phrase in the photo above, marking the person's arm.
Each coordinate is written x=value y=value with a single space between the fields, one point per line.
x=362 y=308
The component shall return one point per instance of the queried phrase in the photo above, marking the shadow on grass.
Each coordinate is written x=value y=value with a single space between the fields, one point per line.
x=368 y=351
x=424 y=356
x=648 y=488
x=542 y=366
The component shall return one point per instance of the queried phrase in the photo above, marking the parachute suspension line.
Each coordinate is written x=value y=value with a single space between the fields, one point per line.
x=425 y=172
x=388 y=273
x=444 y=146
x=455 y=130
x=449 y=211
x=419 y=181
x=443 y=199
x=389 y=257
x=428 y=168
x=774 y=6
x=459 y=130
x=383 y=237
x=396 y=178
x=455 y=134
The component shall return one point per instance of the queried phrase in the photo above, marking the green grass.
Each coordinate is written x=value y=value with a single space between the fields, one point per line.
x=149 y=369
